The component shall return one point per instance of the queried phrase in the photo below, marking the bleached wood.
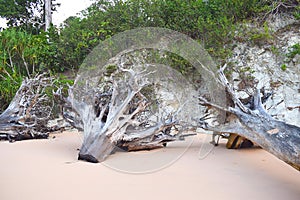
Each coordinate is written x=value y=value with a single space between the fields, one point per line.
x=254 y=123
x=29 y=112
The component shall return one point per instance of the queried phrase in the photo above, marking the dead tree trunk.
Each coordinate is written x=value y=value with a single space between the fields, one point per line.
x=253 y=123
x=120 y=117
x=29 y=112
x=48 y=13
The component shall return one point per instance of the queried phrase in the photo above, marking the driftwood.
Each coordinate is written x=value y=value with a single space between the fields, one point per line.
x=120 y=117
x=117 y=121
x=29 y=112
x=254 y=123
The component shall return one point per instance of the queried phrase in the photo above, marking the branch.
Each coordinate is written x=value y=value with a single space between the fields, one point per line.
x=230 y=90
x=255 y=124
x=29 y=111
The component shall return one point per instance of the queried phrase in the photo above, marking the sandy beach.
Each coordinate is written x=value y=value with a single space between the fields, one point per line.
x=49 y=170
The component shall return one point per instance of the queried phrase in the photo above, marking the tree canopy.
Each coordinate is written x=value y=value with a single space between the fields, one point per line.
x=25 y=48
x=27 y=14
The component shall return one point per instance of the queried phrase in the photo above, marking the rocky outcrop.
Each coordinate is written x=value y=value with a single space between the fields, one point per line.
x=269 y=65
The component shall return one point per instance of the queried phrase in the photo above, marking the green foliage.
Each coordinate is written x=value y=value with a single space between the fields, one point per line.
x=246 y=70
x=212 y=22
x=294 y=50
x=8 y=88
x=61 y=81
x=170 y=59
x=28 y=14
x=110 y=69
x=76 y=40
x=283 y=67
x=21 y=54
x=274 y=50
x=20 y=12
x=297 y=13
x=259 y=36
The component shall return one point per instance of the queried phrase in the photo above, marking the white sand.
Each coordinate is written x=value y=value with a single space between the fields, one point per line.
x=48 y=169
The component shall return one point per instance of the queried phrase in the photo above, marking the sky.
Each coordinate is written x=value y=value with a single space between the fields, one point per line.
x=68 y=8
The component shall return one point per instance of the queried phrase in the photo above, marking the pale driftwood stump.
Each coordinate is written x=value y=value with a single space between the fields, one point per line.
x=118 y=118
x=29 y=112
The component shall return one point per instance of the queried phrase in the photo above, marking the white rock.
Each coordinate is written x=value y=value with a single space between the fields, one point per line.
x=285 y=85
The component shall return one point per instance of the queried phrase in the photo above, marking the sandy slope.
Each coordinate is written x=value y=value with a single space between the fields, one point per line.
x=48 y=169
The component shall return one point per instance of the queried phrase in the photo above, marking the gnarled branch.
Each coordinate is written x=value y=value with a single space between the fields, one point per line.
x=29 y=112
x=253 y=123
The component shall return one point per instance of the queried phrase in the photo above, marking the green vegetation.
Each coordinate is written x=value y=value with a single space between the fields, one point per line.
x=261 y=36
x=25 y=49
x=294 y=50
x=274 y=50
x=297 y=13
x=20 y=55
x=283 y=67
x=27 y=14
x=23 y=54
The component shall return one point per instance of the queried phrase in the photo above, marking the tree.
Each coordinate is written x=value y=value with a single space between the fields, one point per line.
x=251 y=121
x=125 y=98
x=127 y=122
x=48 y=14
x=21 y=55
x=210 y=22
x=29 y=112
x=32 y=15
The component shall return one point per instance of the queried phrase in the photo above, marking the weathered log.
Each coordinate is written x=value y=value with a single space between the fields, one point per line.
x=120 y=117
x=29 y=112
x=254 y=123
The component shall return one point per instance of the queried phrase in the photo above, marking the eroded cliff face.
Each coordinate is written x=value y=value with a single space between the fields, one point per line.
x=265 y=61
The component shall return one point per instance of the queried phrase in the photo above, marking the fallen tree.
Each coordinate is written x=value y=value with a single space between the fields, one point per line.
x=254 y=123
x=120 y=112
x=28 y=113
